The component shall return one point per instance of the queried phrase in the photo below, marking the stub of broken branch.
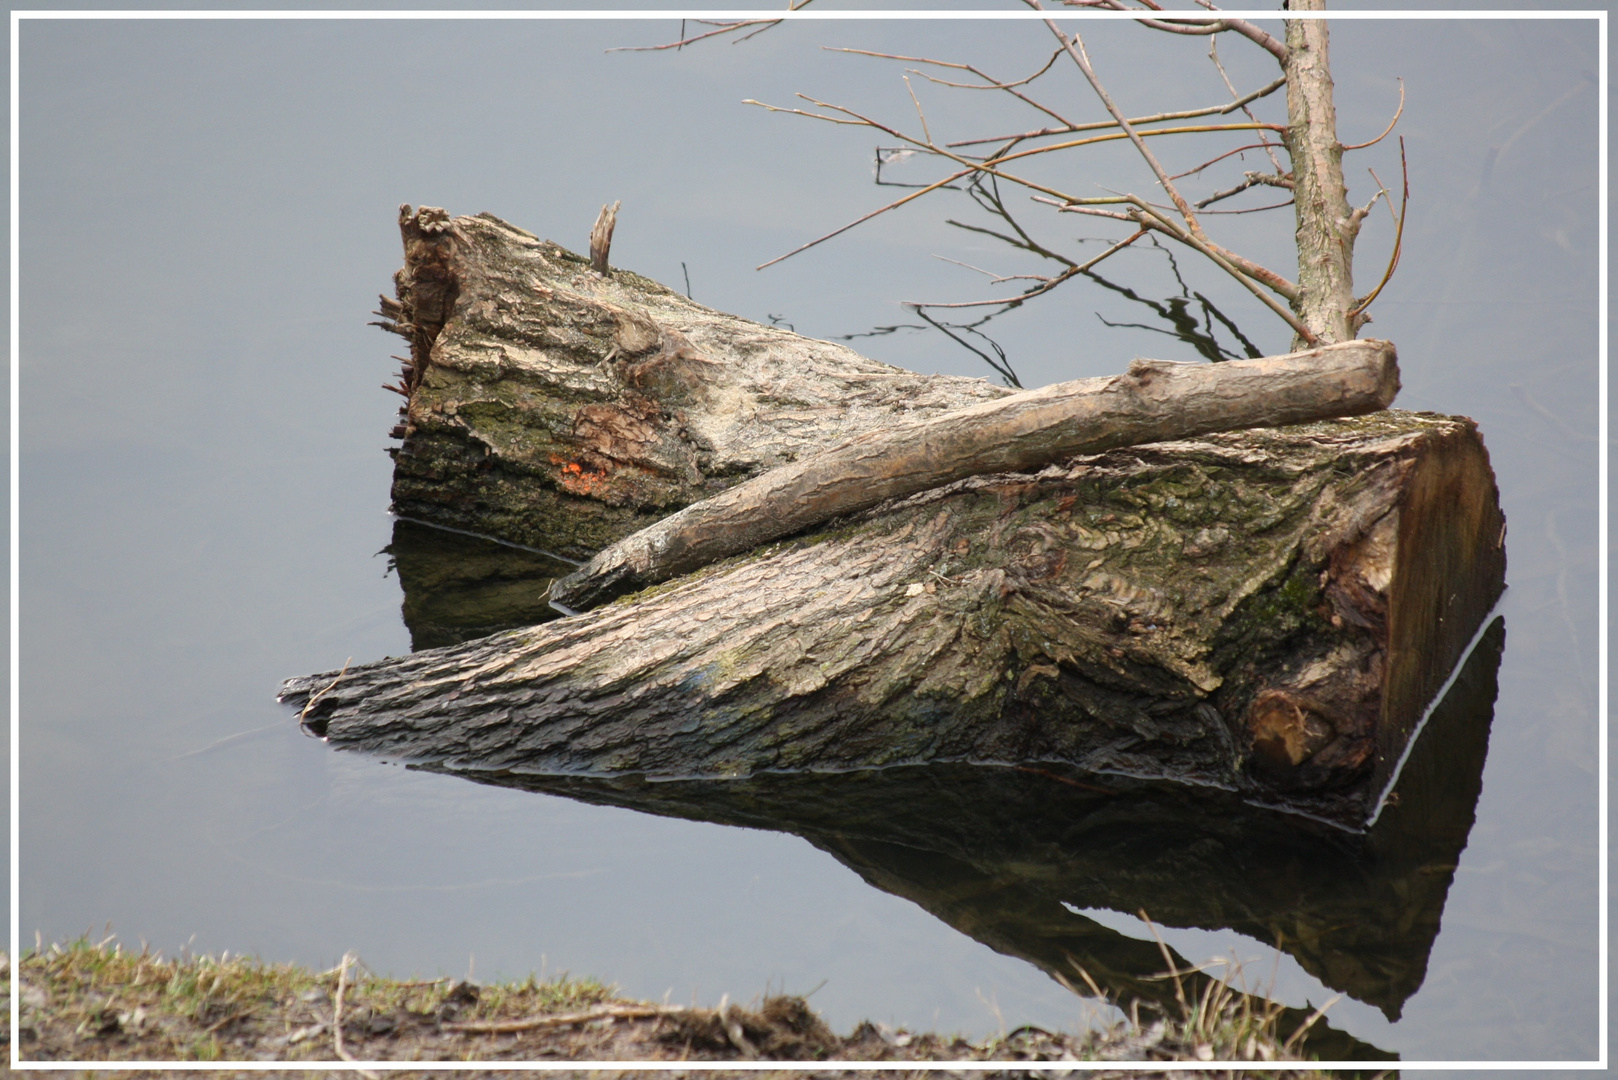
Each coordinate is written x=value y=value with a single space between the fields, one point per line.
x=1153 y=402
x=601 y=237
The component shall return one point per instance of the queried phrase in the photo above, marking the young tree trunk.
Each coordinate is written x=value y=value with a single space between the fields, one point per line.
x=562 y=408
x=1268 y=611
x=1327 y=225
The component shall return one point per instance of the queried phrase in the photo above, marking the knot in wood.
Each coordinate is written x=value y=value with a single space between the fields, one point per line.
x=1287 y=729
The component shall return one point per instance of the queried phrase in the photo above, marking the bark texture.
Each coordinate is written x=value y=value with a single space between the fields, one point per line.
x=1327 y=226
x=1267 y=611
x=562 y=408
x=1153 y=402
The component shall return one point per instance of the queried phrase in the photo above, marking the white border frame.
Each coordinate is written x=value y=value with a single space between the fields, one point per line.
x=17 y=16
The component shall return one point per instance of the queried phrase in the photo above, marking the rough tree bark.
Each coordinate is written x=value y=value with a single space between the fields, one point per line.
x=558 y=407
x=1267 y=611
x=1154 y=401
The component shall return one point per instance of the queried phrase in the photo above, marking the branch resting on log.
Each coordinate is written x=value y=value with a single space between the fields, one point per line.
x=1155 y=401
x=1268 y=611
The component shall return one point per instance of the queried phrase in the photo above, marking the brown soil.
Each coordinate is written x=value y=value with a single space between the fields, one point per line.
x=95 y=1003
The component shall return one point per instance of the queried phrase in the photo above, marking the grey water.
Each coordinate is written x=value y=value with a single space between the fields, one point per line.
x=207 y=212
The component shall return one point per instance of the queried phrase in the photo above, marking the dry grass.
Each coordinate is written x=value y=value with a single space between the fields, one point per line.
x=97 y=1002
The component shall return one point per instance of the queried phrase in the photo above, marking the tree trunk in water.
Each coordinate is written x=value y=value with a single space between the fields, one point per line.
x=1267 y=611
x=558 y=407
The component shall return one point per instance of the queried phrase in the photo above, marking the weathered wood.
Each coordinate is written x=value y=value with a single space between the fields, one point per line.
x=1267 y=611
x=562 y=408
x=1154 y=402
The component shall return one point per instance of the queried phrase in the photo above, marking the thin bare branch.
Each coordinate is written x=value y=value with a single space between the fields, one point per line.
x=720 y=29
x=1049 y=283
x=858 y=221
x=1391 y=123
x=1254 y=179
x=995 y=84
x=1217 y=160
x=1213 y=54
x=1398 y=236
x=810 y=115
x=1254 y=209
x=1194 y=26
x=926 y=135
x=993 y=277
x=1101 y=125
x=1249 y=274
x=1075 y=49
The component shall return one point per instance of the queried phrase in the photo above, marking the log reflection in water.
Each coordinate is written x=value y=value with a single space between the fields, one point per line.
x=1007 y=855
x=458 y=587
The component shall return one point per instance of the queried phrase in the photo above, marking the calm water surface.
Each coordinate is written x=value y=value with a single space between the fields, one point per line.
x=207 y=215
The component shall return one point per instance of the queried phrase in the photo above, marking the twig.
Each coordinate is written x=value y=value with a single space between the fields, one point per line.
x=1395 y=120
x=337 y=1017
x=1049 y=283
x=1221 y=157
x=537 y=1023
x=990 y=82
x=1179 y=990
x=311 y=702
x=1213 y=54
x=1075 y=49
x=722 y=28
x=1253 y=179
x=1155 y=118
x=1197 y=26
x=1309 y=1023
x=1398 y=234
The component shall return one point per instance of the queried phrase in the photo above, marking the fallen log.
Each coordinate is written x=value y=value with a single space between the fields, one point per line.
x=1155 y=401
x=1267 y=612
x=563 y=408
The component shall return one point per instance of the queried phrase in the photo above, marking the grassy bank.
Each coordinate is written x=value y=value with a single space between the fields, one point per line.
x=99 y=1002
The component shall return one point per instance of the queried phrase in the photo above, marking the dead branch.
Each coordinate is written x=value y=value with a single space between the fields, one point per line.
x=1153 y=402
x=601 y=237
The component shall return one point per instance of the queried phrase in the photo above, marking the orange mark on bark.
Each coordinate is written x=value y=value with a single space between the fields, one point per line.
x=578 y=480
